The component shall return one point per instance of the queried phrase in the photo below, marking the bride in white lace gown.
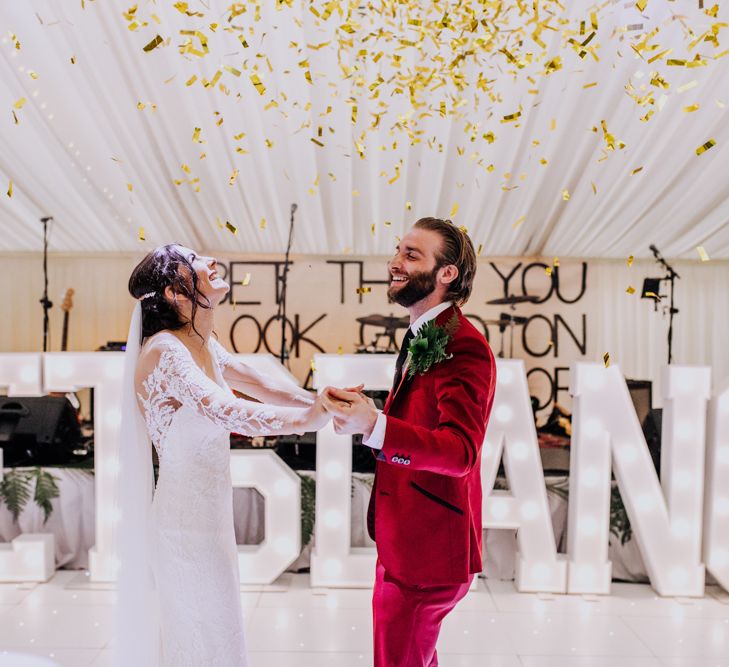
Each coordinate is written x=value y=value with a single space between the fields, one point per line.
x=182 y=382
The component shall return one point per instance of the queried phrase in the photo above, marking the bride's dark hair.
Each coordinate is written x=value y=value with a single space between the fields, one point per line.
x=165 y=267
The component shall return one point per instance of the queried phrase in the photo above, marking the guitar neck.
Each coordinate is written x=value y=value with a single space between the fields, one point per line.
x=64 y=337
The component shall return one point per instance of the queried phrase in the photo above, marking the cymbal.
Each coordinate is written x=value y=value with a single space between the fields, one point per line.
x=513 y=300
x=387 y=322
x=507 y=321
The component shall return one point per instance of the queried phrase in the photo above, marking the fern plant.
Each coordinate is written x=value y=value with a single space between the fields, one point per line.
x=18 y=486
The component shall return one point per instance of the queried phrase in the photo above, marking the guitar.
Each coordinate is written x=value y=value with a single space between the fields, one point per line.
x=66 y=308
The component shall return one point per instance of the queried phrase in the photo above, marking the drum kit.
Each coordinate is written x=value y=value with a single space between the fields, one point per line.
x=384 y=342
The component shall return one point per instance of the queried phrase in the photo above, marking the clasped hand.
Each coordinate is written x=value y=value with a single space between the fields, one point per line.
x=352 y=411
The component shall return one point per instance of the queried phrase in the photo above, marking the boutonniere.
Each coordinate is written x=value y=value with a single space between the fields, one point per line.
x=428 y=347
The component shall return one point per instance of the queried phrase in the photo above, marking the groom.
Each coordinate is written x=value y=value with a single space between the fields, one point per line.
x=425 y=508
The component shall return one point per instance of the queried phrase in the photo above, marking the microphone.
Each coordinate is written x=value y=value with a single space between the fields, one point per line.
x=653 y=249
x=293 y=208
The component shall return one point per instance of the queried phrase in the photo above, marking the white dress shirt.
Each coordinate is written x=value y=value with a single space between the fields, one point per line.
x=377 y=437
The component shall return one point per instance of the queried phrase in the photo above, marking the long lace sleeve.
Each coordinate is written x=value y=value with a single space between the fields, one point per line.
x=172 y=379
x=257 y=384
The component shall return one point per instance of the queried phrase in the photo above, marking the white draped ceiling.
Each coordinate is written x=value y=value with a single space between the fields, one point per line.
x=84 y=152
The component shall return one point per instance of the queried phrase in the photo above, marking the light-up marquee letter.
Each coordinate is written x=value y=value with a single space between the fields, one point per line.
x=716 y=507
x=511 y=431
x=281 y=490
x=665 y=516
x=29 y=557
x=71 y=371
x=334 y=562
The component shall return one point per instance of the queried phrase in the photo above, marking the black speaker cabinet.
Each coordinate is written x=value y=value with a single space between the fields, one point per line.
x=38 y=430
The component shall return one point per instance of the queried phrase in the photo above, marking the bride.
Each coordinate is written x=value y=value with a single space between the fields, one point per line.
x=179 y=601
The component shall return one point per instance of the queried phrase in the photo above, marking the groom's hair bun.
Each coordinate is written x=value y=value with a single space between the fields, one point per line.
x=456 y=249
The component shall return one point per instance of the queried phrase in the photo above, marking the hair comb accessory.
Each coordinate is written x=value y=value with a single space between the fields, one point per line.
x=147 y=295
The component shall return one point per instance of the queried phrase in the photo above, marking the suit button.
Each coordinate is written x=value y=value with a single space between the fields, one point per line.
x=407 y=462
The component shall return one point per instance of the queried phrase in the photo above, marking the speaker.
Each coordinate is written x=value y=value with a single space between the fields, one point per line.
x=38 y=430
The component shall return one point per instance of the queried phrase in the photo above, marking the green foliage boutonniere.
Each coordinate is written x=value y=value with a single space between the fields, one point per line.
x=429 y=346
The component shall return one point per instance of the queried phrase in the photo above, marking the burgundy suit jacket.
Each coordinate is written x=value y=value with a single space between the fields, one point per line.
x=425 y=508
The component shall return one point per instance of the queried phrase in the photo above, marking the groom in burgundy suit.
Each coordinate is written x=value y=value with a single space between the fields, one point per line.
x=425 y=509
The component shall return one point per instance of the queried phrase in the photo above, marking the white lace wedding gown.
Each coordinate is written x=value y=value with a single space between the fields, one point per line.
x=193 y=549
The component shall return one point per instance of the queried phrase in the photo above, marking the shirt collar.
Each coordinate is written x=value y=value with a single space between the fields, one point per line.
x=429 y=315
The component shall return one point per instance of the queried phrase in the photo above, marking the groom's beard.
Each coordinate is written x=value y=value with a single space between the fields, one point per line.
x=418 y=286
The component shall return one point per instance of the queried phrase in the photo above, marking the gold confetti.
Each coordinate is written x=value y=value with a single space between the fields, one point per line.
x=231 y=228
x=73 y=60
x=196 y=136
x=566 y=194
x=263 y=223
x=258 y=84
x=33 y=75
x=364 y=290
x=10 y=189
x=635 y=171
x=554 y=124
x=480 y=248
x=691 y=108
x=454 y=210
x=687 y=86
x=630 y=260
x=130 y=187
x=340 y=350
x=140 y=234
x=19 y=104
x=232 y=70
x=606 y=359
x=544 y=161
x=233 y=177
x=408 y=205
x=702 y=253
x=555 y=262
x=185 y=168
x=318 y=143
x=590 y=85
x=518 y=221
x=705 y=147
x=313 y=366
x=15 y=118
x=141 y=106
x=594 y=188
x=191 y=80
x=630 y=290
x=653 y=295
x=153 y=44
x=246 y=280
x=548 y=270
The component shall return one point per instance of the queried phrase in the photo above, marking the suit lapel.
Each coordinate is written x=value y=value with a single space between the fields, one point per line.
x=440 y=320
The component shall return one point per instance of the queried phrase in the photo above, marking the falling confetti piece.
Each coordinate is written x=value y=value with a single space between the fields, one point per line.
x=635 y=171
x=258 y=84
x=653 y=295
x=702 y=253
x=130 y=187
x=340 y=350
x=408 y=205
x=555 y=262
x=140 y=234
x=548 y=270
x=480 y=248
x=196 y=135
x=630 y=290
x=231 y=228
x=153 y=44
x=33 y=75
x=705 y=147
x=246 y=280
x=691 y=108
x=519 y=220
x=594 y=188
x=191 y=80
x=10 y=189
x=364 y=290
x=263 y=223
x=141 y=106
x=15 y=118
x=606 y=359
x=19 y=104
x=630 y=260
x=233 y=177
x=73 y=60
x=590 y=85
x=566 y=195
x=454 y=210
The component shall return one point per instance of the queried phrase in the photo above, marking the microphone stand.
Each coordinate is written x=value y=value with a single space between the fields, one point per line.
x=47 y=305
x=281 y=314
x=671 y=278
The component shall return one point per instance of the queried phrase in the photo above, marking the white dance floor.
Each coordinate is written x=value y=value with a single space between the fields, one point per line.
x=291 y=625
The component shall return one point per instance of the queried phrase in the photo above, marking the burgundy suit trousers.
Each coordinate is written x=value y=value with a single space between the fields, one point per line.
x=407 y=619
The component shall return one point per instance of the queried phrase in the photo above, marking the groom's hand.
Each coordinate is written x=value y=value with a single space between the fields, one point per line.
x=353 y=411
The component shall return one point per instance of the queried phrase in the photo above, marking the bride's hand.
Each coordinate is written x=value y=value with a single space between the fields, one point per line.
x=317 y=416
